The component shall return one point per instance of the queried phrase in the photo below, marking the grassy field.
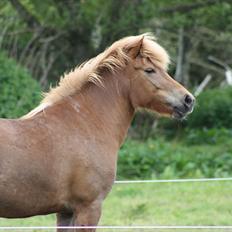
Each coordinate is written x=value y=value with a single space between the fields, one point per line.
x=159 y=204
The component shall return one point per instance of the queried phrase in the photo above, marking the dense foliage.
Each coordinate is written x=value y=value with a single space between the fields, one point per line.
x=19 y=92
x=50 y=37
x=213 y=109
x=201 y=154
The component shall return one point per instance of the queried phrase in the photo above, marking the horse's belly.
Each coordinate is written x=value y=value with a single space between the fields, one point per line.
x=13 y=208
x=27 y=196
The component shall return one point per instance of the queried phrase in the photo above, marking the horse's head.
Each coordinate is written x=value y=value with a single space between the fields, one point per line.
x=151 y=86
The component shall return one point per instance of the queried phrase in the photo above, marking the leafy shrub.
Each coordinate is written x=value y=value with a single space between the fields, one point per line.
x=19 y=92
x=214 y=109
x=161 y=159
x=207 y=136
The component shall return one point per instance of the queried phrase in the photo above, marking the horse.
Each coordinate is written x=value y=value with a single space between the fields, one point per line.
x=62 y=156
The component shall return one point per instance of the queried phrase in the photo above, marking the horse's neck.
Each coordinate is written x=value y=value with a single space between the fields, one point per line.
x=109 y=106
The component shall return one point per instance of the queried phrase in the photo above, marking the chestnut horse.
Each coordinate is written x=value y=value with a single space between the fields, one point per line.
x=62 y=156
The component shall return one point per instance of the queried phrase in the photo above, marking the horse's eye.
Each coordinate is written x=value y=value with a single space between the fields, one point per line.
x=149 y=70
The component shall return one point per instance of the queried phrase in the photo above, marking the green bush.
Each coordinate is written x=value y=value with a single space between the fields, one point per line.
x=161 y=159
x=213 y=109
x=206 y=136
x=19 y=92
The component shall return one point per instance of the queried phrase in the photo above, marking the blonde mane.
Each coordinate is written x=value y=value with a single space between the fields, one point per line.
x=112 y=59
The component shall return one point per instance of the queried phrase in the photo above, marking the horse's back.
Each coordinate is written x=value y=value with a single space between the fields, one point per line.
x=7 y=131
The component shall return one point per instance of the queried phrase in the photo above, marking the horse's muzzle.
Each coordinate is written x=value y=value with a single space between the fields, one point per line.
x=185 y=108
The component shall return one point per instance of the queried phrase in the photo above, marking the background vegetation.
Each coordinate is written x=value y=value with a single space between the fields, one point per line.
x=40 y=40
x=19 y=91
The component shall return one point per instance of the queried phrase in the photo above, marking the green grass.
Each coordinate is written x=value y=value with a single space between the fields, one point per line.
x=158 y=204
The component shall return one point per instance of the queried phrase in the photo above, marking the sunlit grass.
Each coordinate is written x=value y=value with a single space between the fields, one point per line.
x=169 y=204
x=158 y=204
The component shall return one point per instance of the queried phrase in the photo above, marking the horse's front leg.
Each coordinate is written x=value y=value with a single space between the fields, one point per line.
x=88 y=214
x=64 y=219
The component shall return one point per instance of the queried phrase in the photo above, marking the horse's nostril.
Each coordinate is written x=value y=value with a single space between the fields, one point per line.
x=188 y=100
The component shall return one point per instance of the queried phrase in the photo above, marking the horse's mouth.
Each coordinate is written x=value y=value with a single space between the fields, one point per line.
x=181 y=113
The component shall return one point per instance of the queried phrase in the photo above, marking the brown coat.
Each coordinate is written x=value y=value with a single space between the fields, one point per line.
x=61 y=158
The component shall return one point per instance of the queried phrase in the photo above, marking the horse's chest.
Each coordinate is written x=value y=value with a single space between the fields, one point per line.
x=93 y=177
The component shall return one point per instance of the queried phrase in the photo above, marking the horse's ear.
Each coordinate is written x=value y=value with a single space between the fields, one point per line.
x=136 y=50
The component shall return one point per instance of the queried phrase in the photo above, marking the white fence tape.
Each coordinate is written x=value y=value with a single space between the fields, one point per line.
x=171 y=181
x=115 y=227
